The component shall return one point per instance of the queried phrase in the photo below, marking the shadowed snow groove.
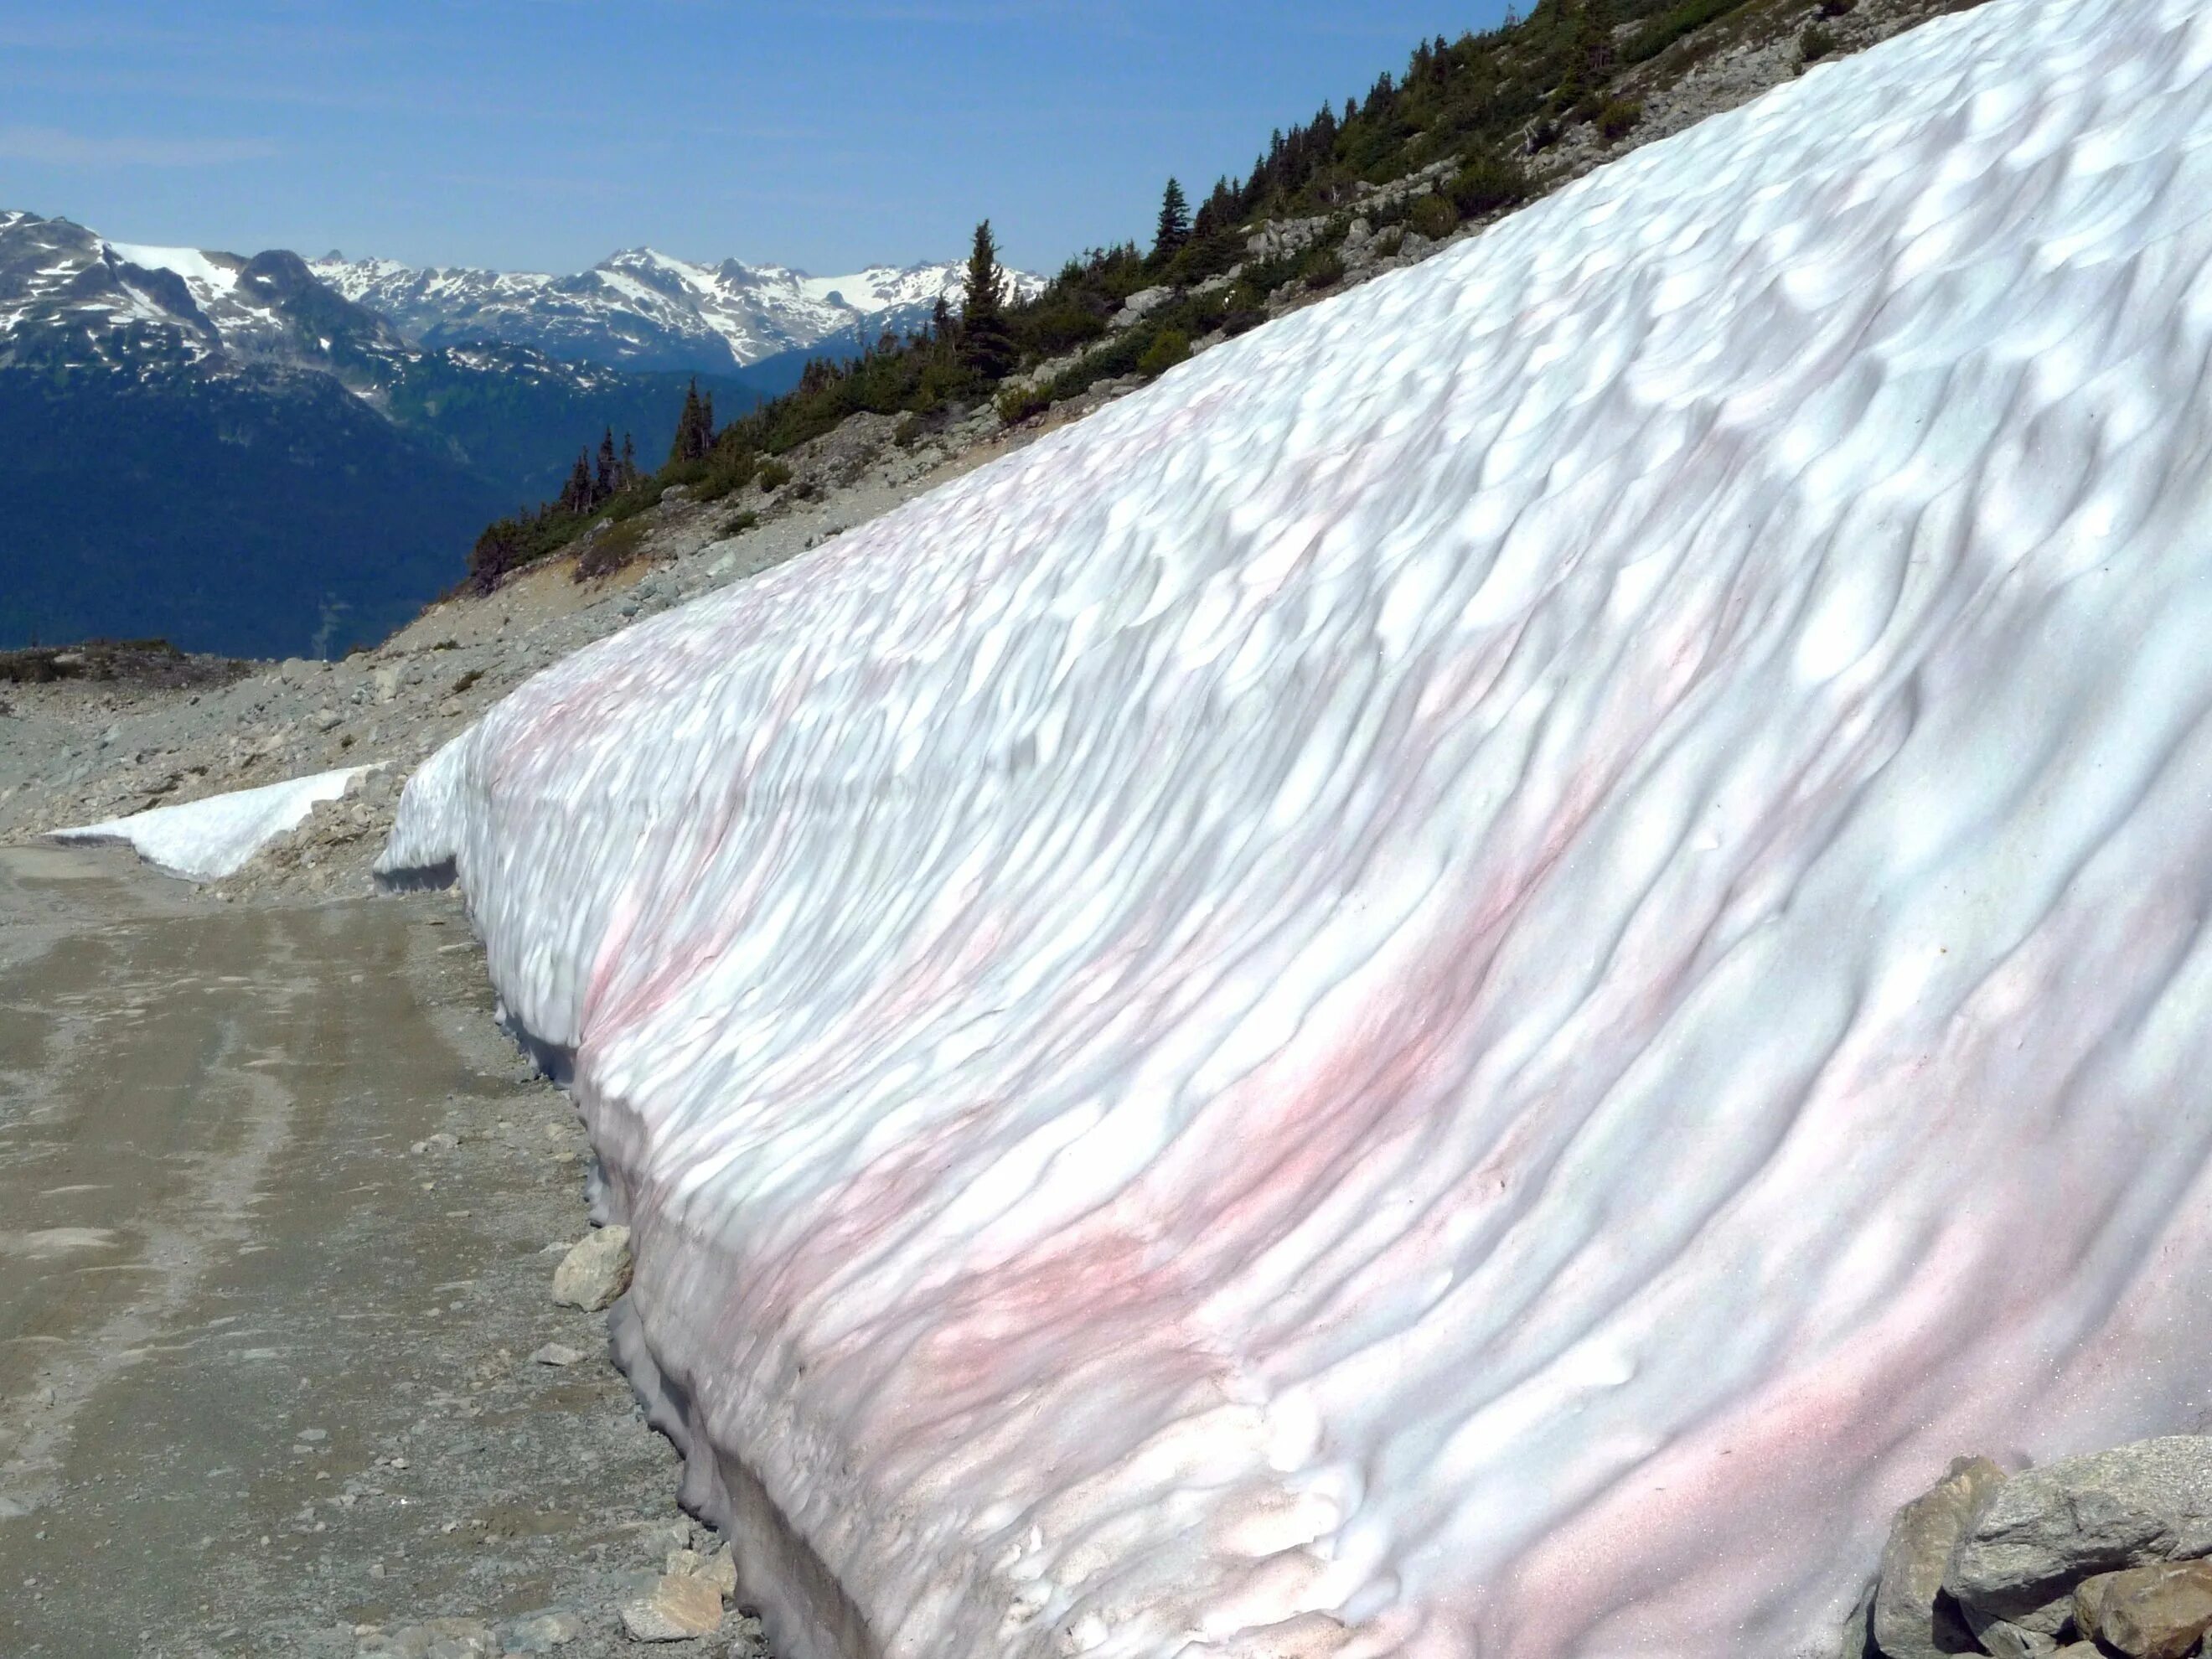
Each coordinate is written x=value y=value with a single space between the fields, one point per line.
x=1475 y=979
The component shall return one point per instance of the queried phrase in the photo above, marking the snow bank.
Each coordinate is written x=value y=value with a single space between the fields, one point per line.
x=206 y=840
x=1475 y=979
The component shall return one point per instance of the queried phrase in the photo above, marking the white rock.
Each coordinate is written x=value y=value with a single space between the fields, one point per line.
x=596 y=1270
x=676 y=1610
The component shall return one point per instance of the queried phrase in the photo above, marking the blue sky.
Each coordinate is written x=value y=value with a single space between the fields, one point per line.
x=545 y=134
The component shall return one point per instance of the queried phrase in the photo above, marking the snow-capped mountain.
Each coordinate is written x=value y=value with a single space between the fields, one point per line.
x=228 y=451
x=68 y=294
x=642 y=309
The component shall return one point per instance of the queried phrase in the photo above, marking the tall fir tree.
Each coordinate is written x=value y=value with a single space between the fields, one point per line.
x=694 y=427
x=605 y=482
x=1174 y=228
x=986 y=343
x=576 y=493
x=629 y=462
x=679 y=448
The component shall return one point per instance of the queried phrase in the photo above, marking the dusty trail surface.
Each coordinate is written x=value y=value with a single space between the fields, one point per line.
x=264 y=1344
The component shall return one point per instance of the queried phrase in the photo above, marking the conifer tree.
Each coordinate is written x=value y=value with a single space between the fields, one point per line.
x=940 y=321
x=694 y=427
x=1174 y=227
x=603 y=480
x=987 y=344
x=629 y=462
x=576 y=493
x=680 y=448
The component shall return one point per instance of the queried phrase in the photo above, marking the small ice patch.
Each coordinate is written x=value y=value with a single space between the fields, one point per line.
x=206 y=840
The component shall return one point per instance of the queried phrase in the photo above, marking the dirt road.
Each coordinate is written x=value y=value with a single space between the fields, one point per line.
x=275 y=1204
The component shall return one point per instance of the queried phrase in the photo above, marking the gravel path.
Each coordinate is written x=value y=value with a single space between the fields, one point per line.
x=283 y=1209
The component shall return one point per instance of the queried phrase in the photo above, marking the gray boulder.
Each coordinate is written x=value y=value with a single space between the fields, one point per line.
x=1911 y=1620
x=2044 y=1531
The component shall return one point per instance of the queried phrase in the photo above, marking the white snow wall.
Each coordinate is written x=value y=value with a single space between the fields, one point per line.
x=1472 y=979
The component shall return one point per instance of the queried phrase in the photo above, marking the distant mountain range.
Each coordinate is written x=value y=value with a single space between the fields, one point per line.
x=268 y=456
x=641 y=309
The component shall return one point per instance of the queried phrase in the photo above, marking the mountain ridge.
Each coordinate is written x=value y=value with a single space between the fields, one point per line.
x=642 y=308
x=228 y=451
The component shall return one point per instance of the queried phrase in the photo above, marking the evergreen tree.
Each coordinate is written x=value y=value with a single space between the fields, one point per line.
x=576 y=493
x=1174 y=228
x=605 y=482
x=987 y=344
x=940 y=321
x=694 y=427
x=629 y=462
x=680 y=449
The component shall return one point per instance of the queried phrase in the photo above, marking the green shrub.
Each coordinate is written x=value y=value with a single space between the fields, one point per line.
x=1663 y=31
x=1017 y=404
x=1242 y=319
x=772 y=476
x=1432 y=216
x=906 y=431
x=1388 y=242
x=1321 y=268
x=1619 y=119
x=1543 y=135
x=738 y=523
x=727 y=469
x=1170 y=347
x=1486 y=183
x=1815 y=44
x=611 y=550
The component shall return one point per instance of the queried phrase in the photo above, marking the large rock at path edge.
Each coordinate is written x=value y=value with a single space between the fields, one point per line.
x=595 y=1272
x=2045 y=1530
x=1910 y=1622
x=676 y=1610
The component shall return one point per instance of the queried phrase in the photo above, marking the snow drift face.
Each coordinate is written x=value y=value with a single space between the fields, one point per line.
x=1475 y=979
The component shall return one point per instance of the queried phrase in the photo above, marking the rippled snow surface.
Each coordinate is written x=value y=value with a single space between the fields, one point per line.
x=1480 y=975
x=206 y=840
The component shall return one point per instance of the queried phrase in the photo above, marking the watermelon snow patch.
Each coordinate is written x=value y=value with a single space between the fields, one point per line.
x=1475 y=979
x=206 y=840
